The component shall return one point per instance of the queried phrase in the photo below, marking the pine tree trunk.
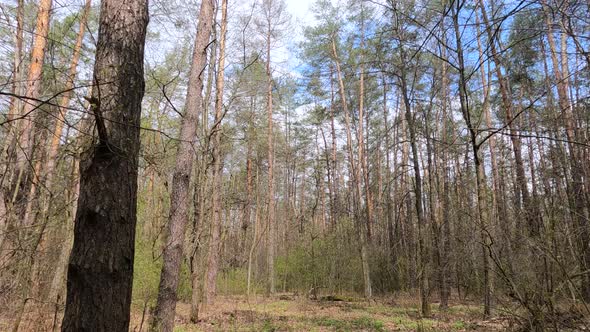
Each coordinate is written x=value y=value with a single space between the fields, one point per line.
x=214 y=242
x=163 y=318
x=100 y=270
x=578 y=201
x=529 y=212
x=7 y=147
x=356 y=179
x=271 y=198
x=46 y=173
x=33 y=91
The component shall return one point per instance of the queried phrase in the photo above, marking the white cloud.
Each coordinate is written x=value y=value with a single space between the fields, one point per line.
x=300 y=9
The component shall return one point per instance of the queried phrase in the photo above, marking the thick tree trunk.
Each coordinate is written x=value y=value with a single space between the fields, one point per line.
x=100 y=271
x=163 y=318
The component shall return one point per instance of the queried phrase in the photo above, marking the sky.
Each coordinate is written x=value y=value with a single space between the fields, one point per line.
x=285 y=57
x=300 y=10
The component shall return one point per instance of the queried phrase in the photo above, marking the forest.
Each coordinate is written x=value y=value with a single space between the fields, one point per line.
x=285 y=165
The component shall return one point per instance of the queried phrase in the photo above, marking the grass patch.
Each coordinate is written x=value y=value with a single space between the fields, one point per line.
x=361 y=323
x=388 y=310
x=277 y=305
x=459 y=325
x=407 y=323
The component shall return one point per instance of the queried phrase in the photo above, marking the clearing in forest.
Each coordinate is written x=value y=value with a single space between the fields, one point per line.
x=291 y=313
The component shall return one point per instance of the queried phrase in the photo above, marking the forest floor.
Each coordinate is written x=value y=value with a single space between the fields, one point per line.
x=290 y=313
x=297 y=313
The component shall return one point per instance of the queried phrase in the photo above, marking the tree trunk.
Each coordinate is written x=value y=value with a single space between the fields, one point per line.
x=7 y=147
x=59 y=277
x=163 y=318
x=529 y=211
x=363 y=168
x=64 y=103
x=33 y=91
x=388 y=199
x=423 y=257
x=445 y=282
x=356 y=179
x=46 y=173
x=479 y=167
x=100 y=271
x=578 y=201
x=214 y=242
x=271 y=198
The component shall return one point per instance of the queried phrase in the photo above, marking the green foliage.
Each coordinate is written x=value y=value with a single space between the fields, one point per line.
x=146 y=274
x=235 y=282
x=184 y=283
x=405 y=322
x=323 y=262
x=459 y=325
x=357 y=324
x=268 y=326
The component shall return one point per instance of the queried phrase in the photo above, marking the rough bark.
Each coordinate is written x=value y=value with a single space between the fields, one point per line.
x=100 y=270
x=163 y=318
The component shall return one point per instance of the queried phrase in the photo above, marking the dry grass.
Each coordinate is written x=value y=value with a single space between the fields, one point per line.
x=288 y=313
x=291 y=313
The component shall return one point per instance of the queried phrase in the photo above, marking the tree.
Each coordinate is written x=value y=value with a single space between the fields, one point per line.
x=214 y=242
x=163 y=318
x=100 y=270
x=274 y=18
